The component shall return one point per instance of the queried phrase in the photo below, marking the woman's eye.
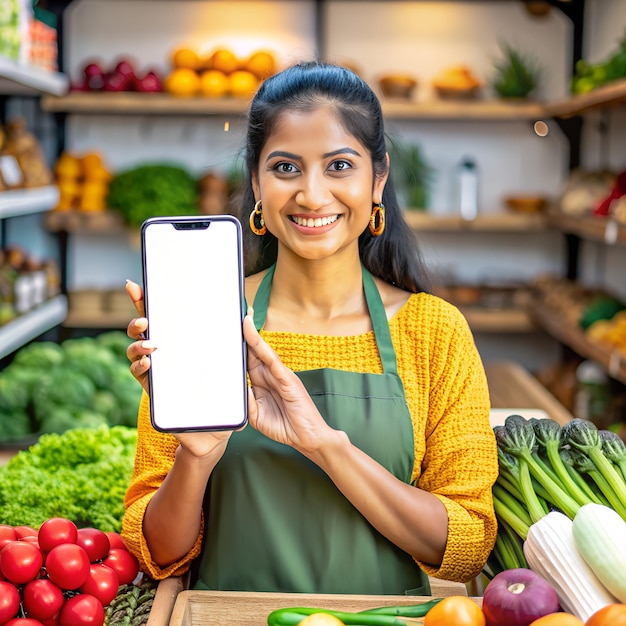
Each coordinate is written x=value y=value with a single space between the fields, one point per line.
x=339 y=166
x=285 y=168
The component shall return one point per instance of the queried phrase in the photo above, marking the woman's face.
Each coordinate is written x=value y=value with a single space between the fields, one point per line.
x=316 y=184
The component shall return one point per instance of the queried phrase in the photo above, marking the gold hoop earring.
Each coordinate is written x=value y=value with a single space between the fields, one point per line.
x=257 y=211
x=377 y=220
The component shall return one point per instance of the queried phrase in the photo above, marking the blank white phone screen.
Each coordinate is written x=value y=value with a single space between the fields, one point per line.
x=193 y=298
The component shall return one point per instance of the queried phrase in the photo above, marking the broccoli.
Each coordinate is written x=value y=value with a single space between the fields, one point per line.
x=41 y=355
x=614 y=449
x=116 y=341
x=62 y=387
x=582 y=435
x=152 y=190
x=517 y=437
x=14 y=426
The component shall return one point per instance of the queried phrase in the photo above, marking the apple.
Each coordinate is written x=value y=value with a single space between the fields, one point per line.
x=115 y=81
x=149 y=83
x=94 y=76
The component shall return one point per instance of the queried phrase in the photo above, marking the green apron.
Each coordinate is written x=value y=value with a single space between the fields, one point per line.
x=276 y=522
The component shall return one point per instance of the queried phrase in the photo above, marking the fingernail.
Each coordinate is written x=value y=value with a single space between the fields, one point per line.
x=250 y=311
x=148 y=345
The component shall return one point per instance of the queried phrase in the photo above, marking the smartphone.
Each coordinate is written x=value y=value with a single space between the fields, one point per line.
x=194 y=302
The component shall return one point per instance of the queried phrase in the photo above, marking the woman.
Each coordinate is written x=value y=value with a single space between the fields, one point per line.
x=368 y=459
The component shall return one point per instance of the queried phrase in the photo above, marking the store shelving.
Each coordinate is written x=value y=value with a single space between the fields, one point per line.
x=492 y=110
x=611 y=359
x=422 y=221
x=613 y=93
x=32 y=324
x=17 y=202
x=20 y=79
x=593 y=228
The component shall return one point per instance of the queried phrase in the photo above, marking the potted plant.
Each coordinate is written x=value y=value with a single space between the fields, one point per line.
x=517 y=74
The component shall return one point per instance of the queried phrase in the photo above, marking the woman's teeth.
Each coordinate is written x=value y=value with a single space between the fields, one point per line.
x=314 y=222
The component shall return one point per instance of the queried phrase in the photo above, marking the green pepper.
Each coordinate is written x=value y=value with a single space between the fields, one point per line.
x=409 y=610
x=294 y=615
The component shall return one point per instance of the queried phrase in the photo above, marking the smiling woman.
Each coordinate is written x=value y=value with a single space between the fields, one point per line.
x=368 y=460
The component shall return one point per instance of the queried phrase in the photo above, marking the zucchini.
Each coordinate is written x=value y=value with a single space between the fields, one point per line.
x=600 y=536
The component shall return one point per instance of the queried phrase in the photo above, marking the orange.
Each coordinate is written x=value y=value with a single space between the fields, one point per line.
x=611 y=615
x=186 y=58
x=455 y=611
x=182 y=82
x=243 y=84
x=558 y=619
x=223 y=60
x=214 y=83
x=261 y=63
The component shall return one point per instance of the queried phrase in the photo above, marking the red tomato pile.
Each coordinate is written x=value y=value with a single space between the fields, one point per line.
x=60 y=575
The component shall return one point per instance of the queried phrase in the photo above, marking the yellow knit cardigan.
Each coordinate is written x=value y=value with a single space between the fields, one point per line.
x=447 y=395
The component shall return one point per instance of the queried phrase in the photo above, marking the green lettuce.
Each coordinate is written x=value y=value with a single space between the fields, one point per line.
x=81 y=474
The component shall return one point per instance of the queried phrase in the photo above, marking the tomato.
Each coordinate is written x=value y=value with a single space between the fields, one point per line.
x=115 y=539
x=68 y=566
x=123 y=563
x=610 y=615
x=32 y=540
x=42 y=599
x=102 y=583
x=24 y=621
x=20 y=561
x=94 y=542
x=82 y=610
x=9 y=601
x=24 y=531
x=7 y=535
x=55 y=531
x=455 y=611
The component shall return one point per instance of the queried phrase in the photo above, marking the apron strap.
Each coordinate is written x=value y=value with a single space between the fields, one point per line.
x=374 y=305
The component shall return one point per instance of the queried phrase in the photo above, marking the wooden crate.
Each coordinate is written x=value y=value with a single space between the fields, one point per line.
x=240 y=608
x=176 y=606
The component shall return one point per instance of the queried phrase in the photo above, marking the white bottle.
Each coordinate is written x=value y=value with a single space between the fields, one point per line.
x=468 y=188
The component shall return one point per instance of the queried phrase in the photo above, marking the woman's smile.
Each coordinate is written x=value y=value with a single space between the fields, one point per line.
x=316 y=222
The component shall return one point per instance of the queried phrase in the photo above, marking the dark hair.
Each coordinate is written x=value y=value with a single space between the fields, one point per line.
x=394 y=256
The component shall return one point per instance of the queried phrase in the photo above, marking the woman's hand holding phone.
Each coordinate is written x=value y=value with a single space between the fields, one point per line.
x=197 y=444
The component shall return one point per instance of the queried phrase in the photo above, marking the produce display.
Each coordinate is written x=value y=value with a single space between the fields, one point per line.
x=62 y=574
x=83 y=182
x=81 y=475
x=50 y=387
x=122 y=76
x=153 y=190
x=589 y=76
x=553 y=478
x=219 y=73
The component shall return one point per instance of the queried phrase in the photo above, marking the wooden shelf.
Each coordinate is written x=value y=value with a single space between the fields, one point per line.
x=595 y=228
x=86 y=222
x=128 y=103
x=485 y=320
x=27 y=201
x=19 y=79
x=608 y=95
x=611 y=359
x=495 y=222
x=124 y=103
x=23 y=329
x=491 y=110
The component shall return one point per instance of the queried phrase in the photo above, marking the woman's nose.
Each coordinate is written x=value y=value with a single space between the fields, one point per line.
x=313 y=193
